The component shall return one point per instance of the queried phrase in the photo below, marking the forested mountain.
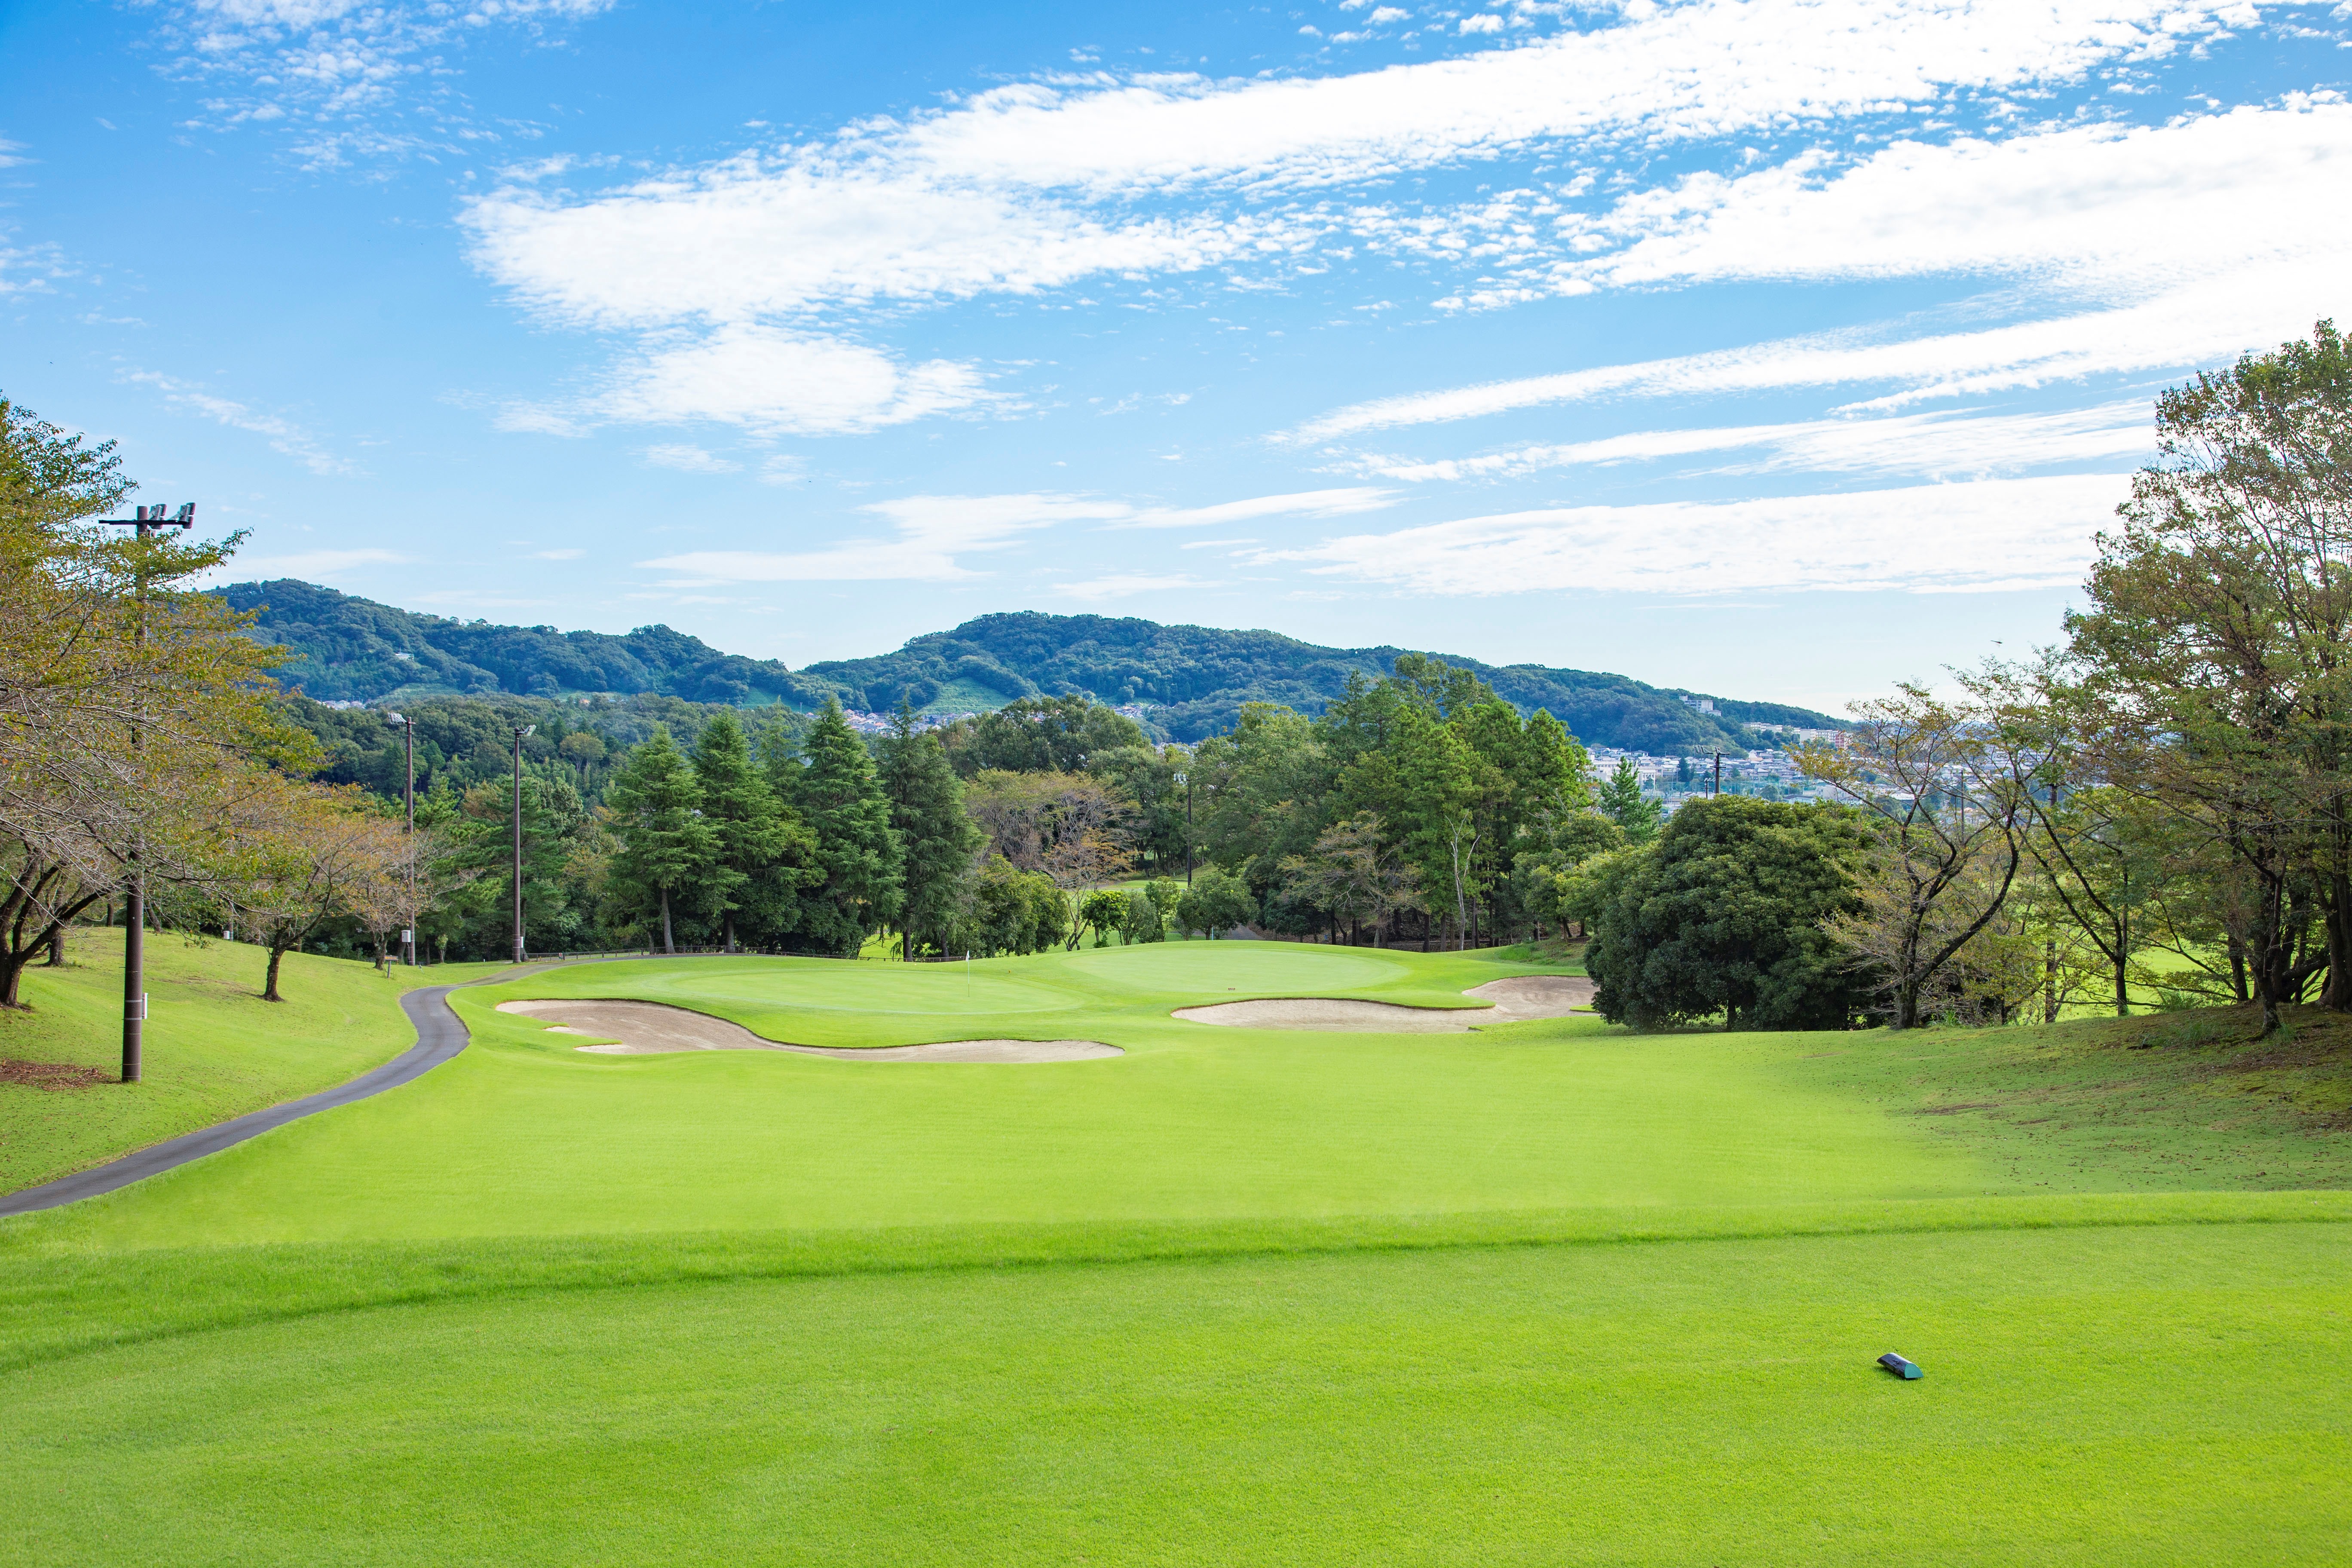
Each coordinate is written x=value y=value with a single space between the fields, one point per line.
x=1193 y=680
x=354 y=649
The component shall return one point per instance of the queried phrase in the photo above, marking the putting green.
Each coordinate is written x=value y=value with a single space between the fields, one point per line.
x=1542 y=1293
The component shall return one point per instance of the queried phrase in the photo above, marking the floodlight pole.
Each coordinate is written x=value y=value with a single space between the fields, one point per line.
x=408 y=794
x=1186 y=780
x=521 y=731
x=134 y=894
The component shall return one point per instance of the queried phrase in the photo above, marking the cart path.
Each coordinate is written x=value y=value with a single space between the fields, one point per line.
x=439 y=1036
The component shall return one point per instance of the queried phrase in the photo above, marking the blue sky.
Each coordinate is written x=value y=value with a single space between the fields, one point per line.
x=1778 y=348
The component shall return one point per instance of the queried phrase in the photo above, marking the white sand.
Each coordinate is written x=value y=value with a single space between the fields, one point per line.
x=650 y=1028
x=1513 y=1001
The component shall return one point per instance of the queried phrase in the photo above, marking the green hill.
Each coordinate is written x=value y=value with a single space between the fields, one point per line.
x=1195 y=680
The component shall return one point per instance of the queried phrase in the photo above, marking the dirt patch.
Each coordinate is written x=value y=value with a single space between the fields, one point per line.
x=655 y=1028
x=53 y=1074
x=1511 y=1001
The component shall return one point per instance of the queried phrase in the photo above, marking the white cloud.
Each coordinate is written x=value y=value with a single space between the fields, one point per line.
x=1997 y=534
x=1126 y=585
x=766 y=379
x=1028 y=186
x=1484 y=22
x=328 y=67
x=690 y=460
x=752 y=238
x=2211 y=236
x=283 y=434
x=31 y=269
x=2142 y=208
x=1303 y=504
x=2195 y=325
x=1929 y=446
x=310 y=565
x=931 y=532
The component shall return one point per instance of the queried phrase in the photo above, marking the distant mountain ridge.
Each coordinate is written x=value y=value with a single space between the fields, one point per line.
x=1193 y=678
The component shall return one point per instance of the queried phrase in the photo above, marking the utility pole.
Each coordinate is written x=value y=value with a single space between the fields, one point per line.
x=521 y=731
x=134 y=925
x=1186 y=780
x=408 y=739
x=1719 y=773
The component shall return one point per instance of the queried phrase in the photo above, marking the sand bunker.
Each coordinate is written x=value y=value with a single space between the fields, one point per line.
x=651 y=1028
x=1514 y=1001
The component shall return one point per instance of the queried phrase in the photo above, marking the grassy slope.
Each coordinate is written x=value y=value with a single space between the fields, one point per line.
x=1238 y=1296
x=214 y=1048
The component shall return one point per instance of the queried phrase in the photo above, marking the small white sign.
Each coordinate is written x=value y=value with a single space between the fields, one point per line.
x=407 y=935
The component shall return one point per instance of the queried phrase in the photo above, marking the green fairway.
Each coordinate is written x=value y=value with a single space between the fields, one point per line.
x=1547 y=1292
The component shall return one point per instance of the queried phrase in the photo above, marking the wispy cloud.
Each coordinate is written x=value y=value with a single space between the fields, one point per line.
x=769 y=380
x=689 y=460
x=930 y=533
x=316 y=564
x=1043 y=184
x=1996 y=534
x=334 y=75
x=1127 y=585
x=283 y=434
x=1930 y=446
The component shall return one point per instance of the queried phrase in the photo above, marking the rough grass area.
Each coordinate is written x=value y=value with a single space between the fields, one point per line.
x=2168 y=1102
x=214 y=1048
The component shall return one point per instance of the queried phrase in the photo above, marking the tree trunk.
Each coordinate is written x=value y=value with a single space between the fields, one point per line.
x=2338 y=994
x=2049 y=982
x=667 y=945
x=57 y=947
x=269 y=987
x=12 y=973
x=727 y=921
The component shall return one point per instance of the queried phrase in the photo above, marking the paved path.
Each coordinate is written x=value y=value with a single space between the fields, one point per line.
x=439 y=1036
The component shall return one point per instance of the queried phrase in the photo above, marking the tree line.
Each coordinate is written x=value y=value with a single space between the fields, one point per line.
x=2160 y=806
x=2157 y=809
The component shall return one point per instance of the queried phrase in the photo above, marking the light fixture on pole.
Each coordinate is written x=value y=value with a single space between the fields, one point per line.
x=520 y=731
x=134 y=895
x=408 y=795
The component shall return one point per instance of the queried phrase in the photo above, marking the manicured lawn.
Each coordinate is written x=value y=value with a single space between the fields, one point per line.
x=1547 y=1293
x=2157 y=1395
x=214 y=1048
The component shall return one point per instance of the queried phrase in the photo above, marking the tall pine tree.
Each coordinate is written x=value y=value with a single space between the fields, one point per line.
x=937 y=839
x=855 y=886
x=666 y=843
x=762 y=849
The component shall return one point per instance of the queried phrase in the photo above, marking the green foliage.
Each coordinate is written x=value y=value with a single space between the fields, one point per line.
x=668 y=845
x=1009 y=911
x=1215 y=903
x=1723 y=914
x=937 y=836
x=1104 y=912
x=858 y=883
x=763 y=852
x=1144 y=921
x=1621 y=800
x=1038 y=735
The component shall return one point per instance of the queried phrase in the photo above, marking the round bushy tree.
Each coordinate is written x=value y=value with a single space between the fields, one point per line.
x=1723 y=912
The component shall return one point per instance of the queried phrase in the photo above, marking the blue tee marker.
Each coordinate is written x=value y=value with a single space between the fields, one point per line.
x=1899 y=1367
